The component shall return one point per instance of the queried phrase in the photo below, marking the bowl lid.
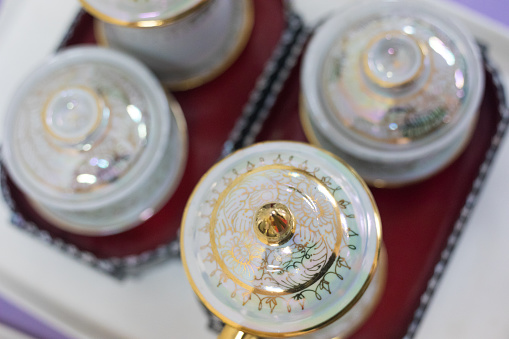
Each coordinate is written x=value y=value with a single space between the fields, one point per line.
x=392 y=73
x=280 y=231
x=141 y=13
x=85 y=129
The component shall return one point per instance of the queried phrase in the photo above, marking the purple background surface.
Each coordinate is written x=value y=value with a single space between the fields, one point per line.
x=495 y=9
x=18 y=319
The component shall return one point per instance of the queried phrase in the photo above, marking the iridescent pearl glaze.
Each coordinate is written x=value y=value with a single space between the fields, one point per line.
x=91 y=139
x=284 y=239
x=185 y=42
x=393 y=88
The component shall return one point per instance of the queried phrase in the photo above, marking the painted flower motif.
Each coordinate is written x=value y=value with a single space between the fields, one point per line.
x=324 y=285
x=317 y=218
x=263 y=194
x=272 y=302
x=315 y=210
x=243 y=256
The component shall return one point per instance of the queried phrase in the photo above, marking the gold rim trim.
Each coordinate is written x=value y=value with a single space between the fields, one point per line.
x=213 y=223
x=99 y=33
x=387 y=84
x=382 y=272
x=142 y=23
x=83 y=229
x=310 y=134
x=229 y=332
x=240 y=43
x=236 y=50
x=392 y=101
x=45 y=109
x=379 y=97
x=379 y=183
x=67 y=151
x=181 y=125
x=387 y=100
x=378 y=227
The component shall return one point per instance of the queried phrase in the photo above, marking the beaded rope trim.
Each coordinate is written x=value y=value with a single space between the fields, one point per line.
x=470 y=202
x=261 y=100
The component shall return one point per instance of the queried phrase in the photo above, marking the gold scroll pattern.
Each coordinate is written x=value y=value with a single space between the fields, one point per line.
x=282 y=276
x=267 y=269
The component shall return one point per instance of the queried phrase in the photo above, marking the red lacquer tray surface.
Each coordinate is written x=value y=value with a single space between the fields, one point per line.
x=416 y=220
x=210 y=111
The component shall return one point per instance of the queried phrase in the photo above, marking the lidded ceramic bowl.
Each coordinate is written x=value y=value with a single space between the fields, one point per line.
x=185 y=42
x=94 y=142
x=393 y=87
x=283 y=239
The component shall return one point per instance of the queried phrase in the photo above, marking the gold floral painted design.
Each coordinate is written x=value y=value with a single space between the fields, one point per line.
x=234 y=214
x=283 y=277
x=243 y=255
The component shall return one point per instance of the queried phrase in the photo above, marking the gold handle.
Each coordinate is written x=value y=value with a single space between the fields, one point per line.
x=229 y=332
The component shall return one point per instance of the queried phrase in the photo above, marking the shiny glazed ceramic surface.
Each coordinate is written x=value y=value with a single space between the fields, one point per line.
x=392 y=84
x=89 y=131
x=191 y=50
x=142 y=13
x=326 y=237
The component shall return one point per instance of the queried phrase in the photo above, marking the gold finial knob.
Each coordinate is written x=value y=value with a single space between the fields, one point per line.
x=274 y=224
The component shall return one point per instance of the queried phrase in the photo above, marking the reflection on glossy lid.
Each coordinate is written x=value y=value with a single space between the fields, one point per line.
x=280 y=231
x=140 y=13
x=394 y=72
x=83 y=126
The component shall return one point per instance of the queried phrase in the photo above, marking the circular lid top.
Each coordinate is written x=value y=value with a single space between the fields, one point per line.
x=280 y=231
x=392 y=73
x=141 y=13
x=85 y=128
